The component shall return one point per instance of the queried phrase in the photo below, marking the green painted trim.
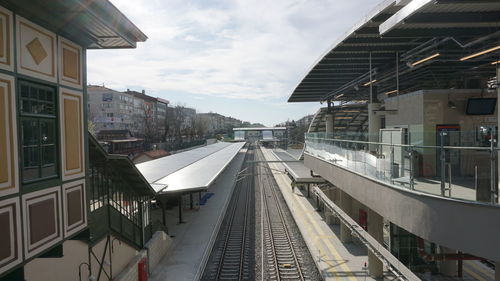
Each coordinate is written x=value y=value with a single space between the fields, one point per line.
x=85 y=130
x=42 y=183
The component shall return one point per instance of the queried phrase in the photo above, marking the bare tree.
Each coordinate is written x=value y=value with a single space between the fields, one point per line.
x=201 y=125
x=176 y=122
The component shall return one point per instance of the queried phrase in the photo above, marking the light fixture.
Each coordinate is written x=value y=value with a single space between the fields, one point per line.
x=339 y=96
x=369 y=83
x=343 y=118
x=425 y=59
x=480 y=53
x=350 y=111
x=391 y=92
x=495 y=62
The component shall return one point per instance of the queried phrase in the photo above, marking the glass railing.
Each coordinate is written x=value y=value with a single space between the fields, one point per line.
x=459 y=172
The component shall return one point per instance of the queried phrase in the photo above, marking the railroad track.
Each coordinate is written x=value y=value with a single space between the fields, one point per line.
x=281 y=257
x=233 y=255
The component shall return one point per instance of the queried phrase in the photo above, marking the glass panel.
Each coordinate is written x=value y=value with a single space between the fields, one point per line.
x=48 y=161
x=47 y=132
x=30 y=163
x=37 y=99
x=30 y=132
x=33 y=92
x=25 y=91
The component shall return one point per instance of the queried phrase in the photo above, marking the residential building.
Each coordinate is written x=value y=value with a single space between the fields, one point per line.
x=141 y=114
x=218 y=124
x=110 y=109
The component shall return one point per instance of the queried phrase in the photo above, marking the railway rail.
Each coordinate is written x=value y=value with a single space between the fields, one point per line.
x=232 y=257
x=281 y=252
x=281 y=258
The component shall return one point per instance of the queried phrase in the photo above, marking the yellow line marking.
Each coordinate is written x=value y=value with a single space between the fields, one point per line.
x=480 y=268
x=475 y=275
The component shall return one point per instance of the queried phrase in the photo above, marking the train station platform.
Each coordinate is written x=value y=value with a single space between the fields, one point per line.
x=335 y=260
x=193 y=239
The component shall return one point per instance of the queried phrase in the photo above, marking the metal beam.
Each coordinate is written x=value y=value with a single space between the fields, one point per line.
x=400 y=16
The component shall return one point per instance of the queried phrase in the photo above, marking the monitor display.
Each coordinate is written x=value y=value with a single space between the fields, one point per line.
x=481 y=106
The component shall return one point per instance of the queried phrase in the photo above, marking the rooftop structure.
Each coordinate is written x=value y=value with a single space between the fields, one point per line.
x=407 y=134
x=192 y=170
x=399 y=48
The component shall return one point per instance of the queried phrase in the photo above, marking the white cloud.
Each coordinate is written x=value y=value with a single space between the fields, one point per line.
x=240 y=49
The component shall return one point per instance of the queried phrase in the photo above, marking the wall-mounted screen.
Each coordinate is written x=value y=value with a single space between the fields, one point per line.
x=481 y=106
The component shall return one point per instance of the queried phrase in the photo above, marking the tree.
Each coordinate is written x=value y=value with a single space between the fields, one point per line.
x=176 y=122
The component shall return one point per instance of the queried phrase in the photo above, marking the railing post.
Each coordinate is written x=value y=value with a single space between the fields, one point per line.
x=412 y=169
x=449 y=179
x=493 y=196
x=442 y=159
x=141 y=220
x=391 y=167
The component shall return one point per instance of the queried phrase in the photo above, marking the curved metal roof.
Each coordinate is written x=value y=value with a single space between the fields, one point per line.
x=401 y=36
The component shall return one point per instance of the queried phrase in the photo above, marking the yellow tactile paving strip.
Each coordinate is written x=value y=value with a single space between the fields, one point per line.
x=333 y=258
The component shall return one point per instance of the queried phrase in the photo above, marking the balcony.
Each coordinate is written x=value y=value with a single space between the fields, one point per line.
x=463 y=173
x=412 y=186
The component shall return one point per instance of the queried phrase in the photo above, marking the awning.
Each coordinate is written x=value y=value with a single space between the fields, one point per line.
x=95 y=24
x=189 y=171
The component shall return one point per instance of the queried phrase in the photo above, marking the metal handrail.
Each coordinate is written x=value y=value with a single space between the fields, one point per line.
x=393 y=264
x=406 y=145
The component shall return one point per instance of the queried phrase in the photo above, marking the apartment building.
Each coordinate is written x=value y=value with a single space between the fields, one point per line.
x=128 y=110
x=217 y=123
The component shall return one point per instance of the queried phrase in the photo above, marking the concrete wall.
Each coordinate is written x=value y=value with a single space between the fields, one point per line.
x=75 y=253
x=422 y=110
x=154 y=251
x=468 y=227
x=157 y=248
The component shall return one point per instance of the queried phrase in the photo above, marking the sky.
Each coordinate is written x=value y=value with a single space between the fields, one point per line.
x=239 y=58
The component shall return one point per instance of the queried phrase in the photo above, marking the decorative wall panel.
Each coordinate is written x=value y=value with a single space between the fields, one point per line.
x=70 y=63
x=36 y=50
x=9 y=182
x=75 y=207
x=6 y=39
x=42 y=220
x=71 y=112
x=10 y=236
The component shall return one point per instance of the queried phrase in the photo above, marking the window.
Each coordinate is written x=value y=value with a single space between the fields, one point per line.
x=107 y=97
x=109 y=114
x=38 y=131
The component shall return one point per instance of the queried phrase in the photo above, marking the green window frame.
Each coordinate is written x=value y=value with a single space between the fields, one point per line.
x=39 y=131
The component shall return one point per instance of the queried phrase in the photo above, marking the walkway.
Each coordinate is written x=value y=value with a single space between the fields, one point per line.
x=336 y=261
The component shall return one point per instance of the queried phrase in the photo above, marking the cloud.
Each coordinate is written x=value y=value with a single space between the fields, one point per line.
x=237 y=49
